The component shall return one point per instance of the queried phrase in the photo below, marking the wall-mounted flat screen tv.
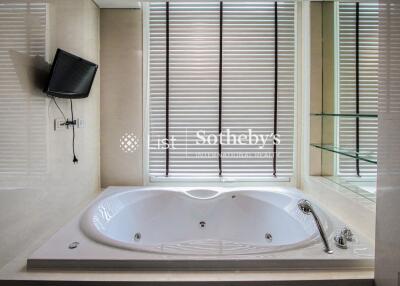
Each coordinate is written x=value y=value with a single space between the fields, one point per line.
x=70 y=76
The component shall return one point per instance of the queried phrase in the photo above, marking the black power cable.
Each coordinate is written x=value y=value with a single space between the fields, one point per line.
x=74 y=160
x=62 y=113
x=68 y=123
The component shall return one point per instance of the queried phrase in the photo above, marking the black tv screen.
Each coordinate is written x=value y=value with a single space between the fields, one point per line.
x=70 y=76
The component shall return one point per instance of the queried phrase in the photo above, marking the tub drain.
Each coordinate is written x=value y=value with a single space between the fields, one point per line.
x=137 y=236
x=202 y=224
x=268 y=237
x=73 y=245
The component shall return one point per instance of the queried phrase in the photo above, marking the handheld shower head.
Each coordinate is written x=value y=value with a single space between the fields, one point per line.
x=306 y=207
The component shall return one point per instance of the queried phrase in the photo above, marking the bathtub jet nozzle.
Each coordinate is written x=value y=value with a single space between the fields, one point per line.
x=306 y=207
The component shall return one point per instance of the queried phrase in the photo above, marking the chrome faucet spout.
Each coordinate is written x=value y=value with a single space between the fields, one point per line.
x=306 y=208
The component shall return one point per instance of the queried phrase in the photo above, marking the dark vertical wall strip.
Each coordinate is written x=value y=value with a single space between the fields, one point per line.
x=221 y=10
x=357 y=85
x=276 y=87
x=167 y=90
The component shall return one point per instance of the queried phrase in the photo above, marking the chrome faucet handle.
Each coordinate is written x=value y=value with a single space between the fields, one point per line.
x=341 y=241
x=347 y=233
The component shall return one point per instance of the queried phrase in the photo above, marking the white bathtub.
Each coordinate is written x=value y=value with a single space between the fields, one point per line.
x=180 y=228
x=202 y=221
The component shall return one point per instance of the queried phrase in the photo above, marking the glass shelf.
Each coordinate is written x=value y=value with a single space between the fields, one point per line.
x=367 y=157
x=364 y=115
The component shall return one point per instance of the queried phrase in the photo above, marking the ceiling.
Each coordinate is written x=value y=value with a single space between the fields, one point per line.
x=118 y=3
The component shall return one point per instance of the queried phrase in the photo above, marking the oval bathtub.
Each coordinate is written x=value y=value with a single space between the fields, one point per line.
x=202 y=221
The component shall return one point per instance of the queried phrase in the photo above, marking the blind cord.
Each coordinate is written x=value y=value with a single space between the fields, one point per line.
x=275 y=88
x=167 y=89
x=221 y=23
x=357 y=87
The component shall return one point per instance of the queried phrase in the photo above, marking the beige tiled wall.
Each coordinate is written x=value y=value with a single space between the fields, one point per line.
x=388 y=192
x=322 y=96
x=121 y=95
x=32 y=212
x=315 y=85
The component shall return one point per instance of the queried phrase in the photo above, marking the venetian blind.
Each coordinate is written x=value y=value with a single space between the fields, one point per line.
x=368 y=84
x=22 y=113
x=248 y=78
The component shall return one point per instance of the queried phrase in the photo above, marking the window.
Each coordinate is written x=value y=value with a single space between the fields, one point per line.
x=344 y=94
x=212 y=68
x=365 y=139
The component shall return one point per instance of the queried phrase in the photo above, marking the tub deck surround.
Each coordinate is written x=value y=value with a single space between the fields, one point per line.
x=206 y=229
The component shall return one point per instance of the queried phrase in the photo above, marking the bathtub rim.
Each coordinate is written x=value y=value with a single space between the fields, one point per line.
x=93 y=234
